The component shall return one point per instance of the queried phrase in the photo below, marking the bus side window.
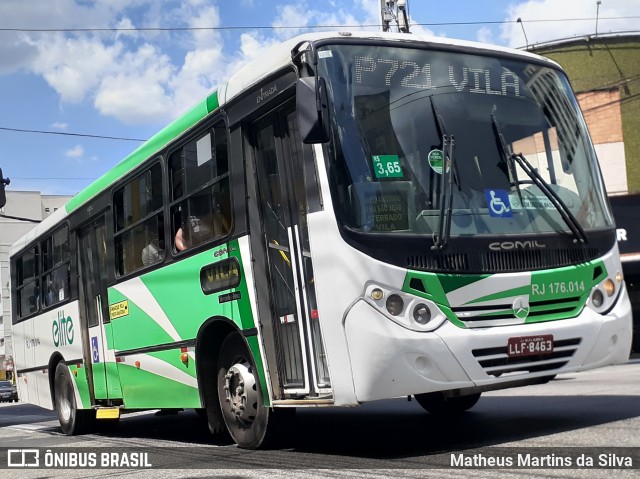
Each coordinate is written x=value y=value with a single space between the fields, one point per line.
x=55 y=267
x=201 y=199
x=28 y=284
x=139 y=221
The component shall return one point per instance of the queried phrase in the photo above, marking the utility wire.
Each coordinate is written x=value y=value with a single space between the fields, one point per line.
x=52 y=178
x=46 y=132
x=295 y=27
x=19 y=218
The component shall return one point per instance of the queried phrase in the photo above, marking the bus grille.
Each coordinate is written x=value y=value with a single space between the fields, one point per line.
x=502 y=261
x=502 y=315
x=496 y=362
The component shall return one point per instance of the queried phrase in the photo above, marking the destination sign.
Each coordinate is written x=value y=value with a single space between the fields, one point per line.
x=425 y=76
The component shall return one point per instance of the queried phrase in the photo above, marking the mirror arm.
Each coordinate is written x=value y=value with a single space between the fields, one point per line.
x=296 y=57
x=311 y=67
x=313 y=126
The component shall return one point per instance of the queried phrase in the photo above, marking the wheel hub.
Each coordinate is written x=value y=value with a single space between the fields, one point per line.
x=241 y=394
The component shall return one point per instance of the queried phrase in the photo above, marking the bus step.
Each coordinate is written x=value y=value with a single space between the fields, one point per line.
x=107 y=413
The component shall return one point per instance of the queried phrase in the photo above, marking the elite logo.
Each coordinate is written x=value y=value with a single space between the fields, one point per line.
x=62 y=330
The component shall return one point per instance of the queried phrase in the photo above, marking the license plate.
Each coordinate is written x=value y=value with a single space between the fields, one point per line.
x=530 y=346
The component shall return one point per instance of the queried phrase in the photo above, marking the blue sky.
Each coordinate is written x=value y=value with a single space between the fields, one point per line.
x=131 y=82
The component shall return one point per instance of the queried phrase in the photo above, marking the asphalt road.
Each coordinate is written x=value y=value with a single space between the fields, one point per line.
x=599 y=410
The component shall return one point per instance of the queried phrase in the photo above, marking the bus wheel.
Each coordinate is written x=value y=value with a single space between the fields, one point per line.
x=239 y=394
x=437 y=403
x=72 y=420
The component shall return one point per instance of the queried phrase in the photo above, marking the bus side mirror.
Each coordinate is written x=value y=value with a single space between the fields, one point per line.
x=3 y=182
x=313 y=114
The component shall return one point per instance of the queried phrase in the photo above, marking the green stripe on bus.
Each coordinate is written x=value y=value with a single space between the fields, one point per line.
x=145 y=390
x=82 y=384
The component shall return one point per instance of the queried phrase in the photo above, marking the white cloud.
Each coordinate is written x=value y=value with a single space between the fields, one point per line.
x=151 y=77
x=127 y=75
x=16 y=54
x=135 y=92
x=252 y=43
x=127 y=28
x=77 y=152
x=204 y=18
x=485 y=35
x=74 y=66
x=298 y=15
x=563 y=14
x=60 y=125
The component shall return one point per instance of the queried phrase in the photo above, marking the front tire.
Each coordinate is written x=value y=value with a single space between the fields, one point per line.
x=72 y=420
x=438 y=403
x=244 y=414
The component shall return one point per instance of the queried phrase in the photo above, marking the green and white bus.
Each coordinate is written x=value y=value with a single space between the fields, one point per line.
x=351 y=217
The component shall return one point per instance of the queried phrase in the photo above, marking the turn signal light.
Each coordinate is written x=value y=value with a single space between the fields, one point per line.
x=377 y=294
x=609 y=287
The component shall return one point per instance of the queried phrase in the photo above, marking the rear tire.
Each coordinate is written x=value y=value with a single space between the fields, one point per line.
x=437 y=403
x=72 y=420
x=249 y=422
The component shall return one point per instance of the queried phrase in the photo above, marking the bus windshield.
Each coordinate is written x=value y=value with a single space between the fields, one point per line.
x=417 y=132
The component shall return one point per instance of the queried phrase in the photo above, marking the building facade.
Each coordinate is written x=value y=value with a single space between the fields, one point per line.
x=604 y=71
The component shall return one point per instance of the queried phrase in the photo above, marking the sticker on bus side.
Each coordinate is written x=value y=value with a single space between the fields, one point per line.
x=118 y=310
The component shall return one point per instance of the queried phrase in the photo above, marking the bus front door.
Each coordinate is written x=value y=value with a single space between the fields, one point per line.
x=92 y=254
x=285 y=197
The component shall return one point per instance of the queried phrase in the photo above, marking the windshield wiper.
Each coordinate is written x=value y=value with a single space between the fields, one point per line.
x=561 y=206
x=566 y=214
x=441 y=237
x=511 y=172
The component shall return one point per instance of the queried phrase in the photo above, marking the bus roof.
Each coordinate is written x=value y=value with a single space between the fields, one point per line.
x=270 y=60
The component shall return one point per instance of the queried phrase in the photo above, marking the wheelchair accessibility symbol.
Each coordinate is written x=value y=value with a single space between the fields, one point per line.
x=95 y=352
x=498 y=201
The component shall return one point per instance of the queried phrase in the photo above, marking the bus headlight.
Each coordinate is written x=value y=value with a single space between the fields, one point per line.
x=405 y=309
x=421 y=313
x=605 y=294
x=395 y=304
x=597 y=298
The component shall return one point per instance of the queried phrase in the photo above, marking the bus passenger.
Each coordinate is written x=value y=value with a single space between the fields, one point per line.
x=181 y=243
x=152 y=253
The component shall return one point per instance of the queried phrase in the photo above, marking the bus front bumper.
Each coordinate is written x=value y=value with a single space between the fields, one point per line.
x=388 y=360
